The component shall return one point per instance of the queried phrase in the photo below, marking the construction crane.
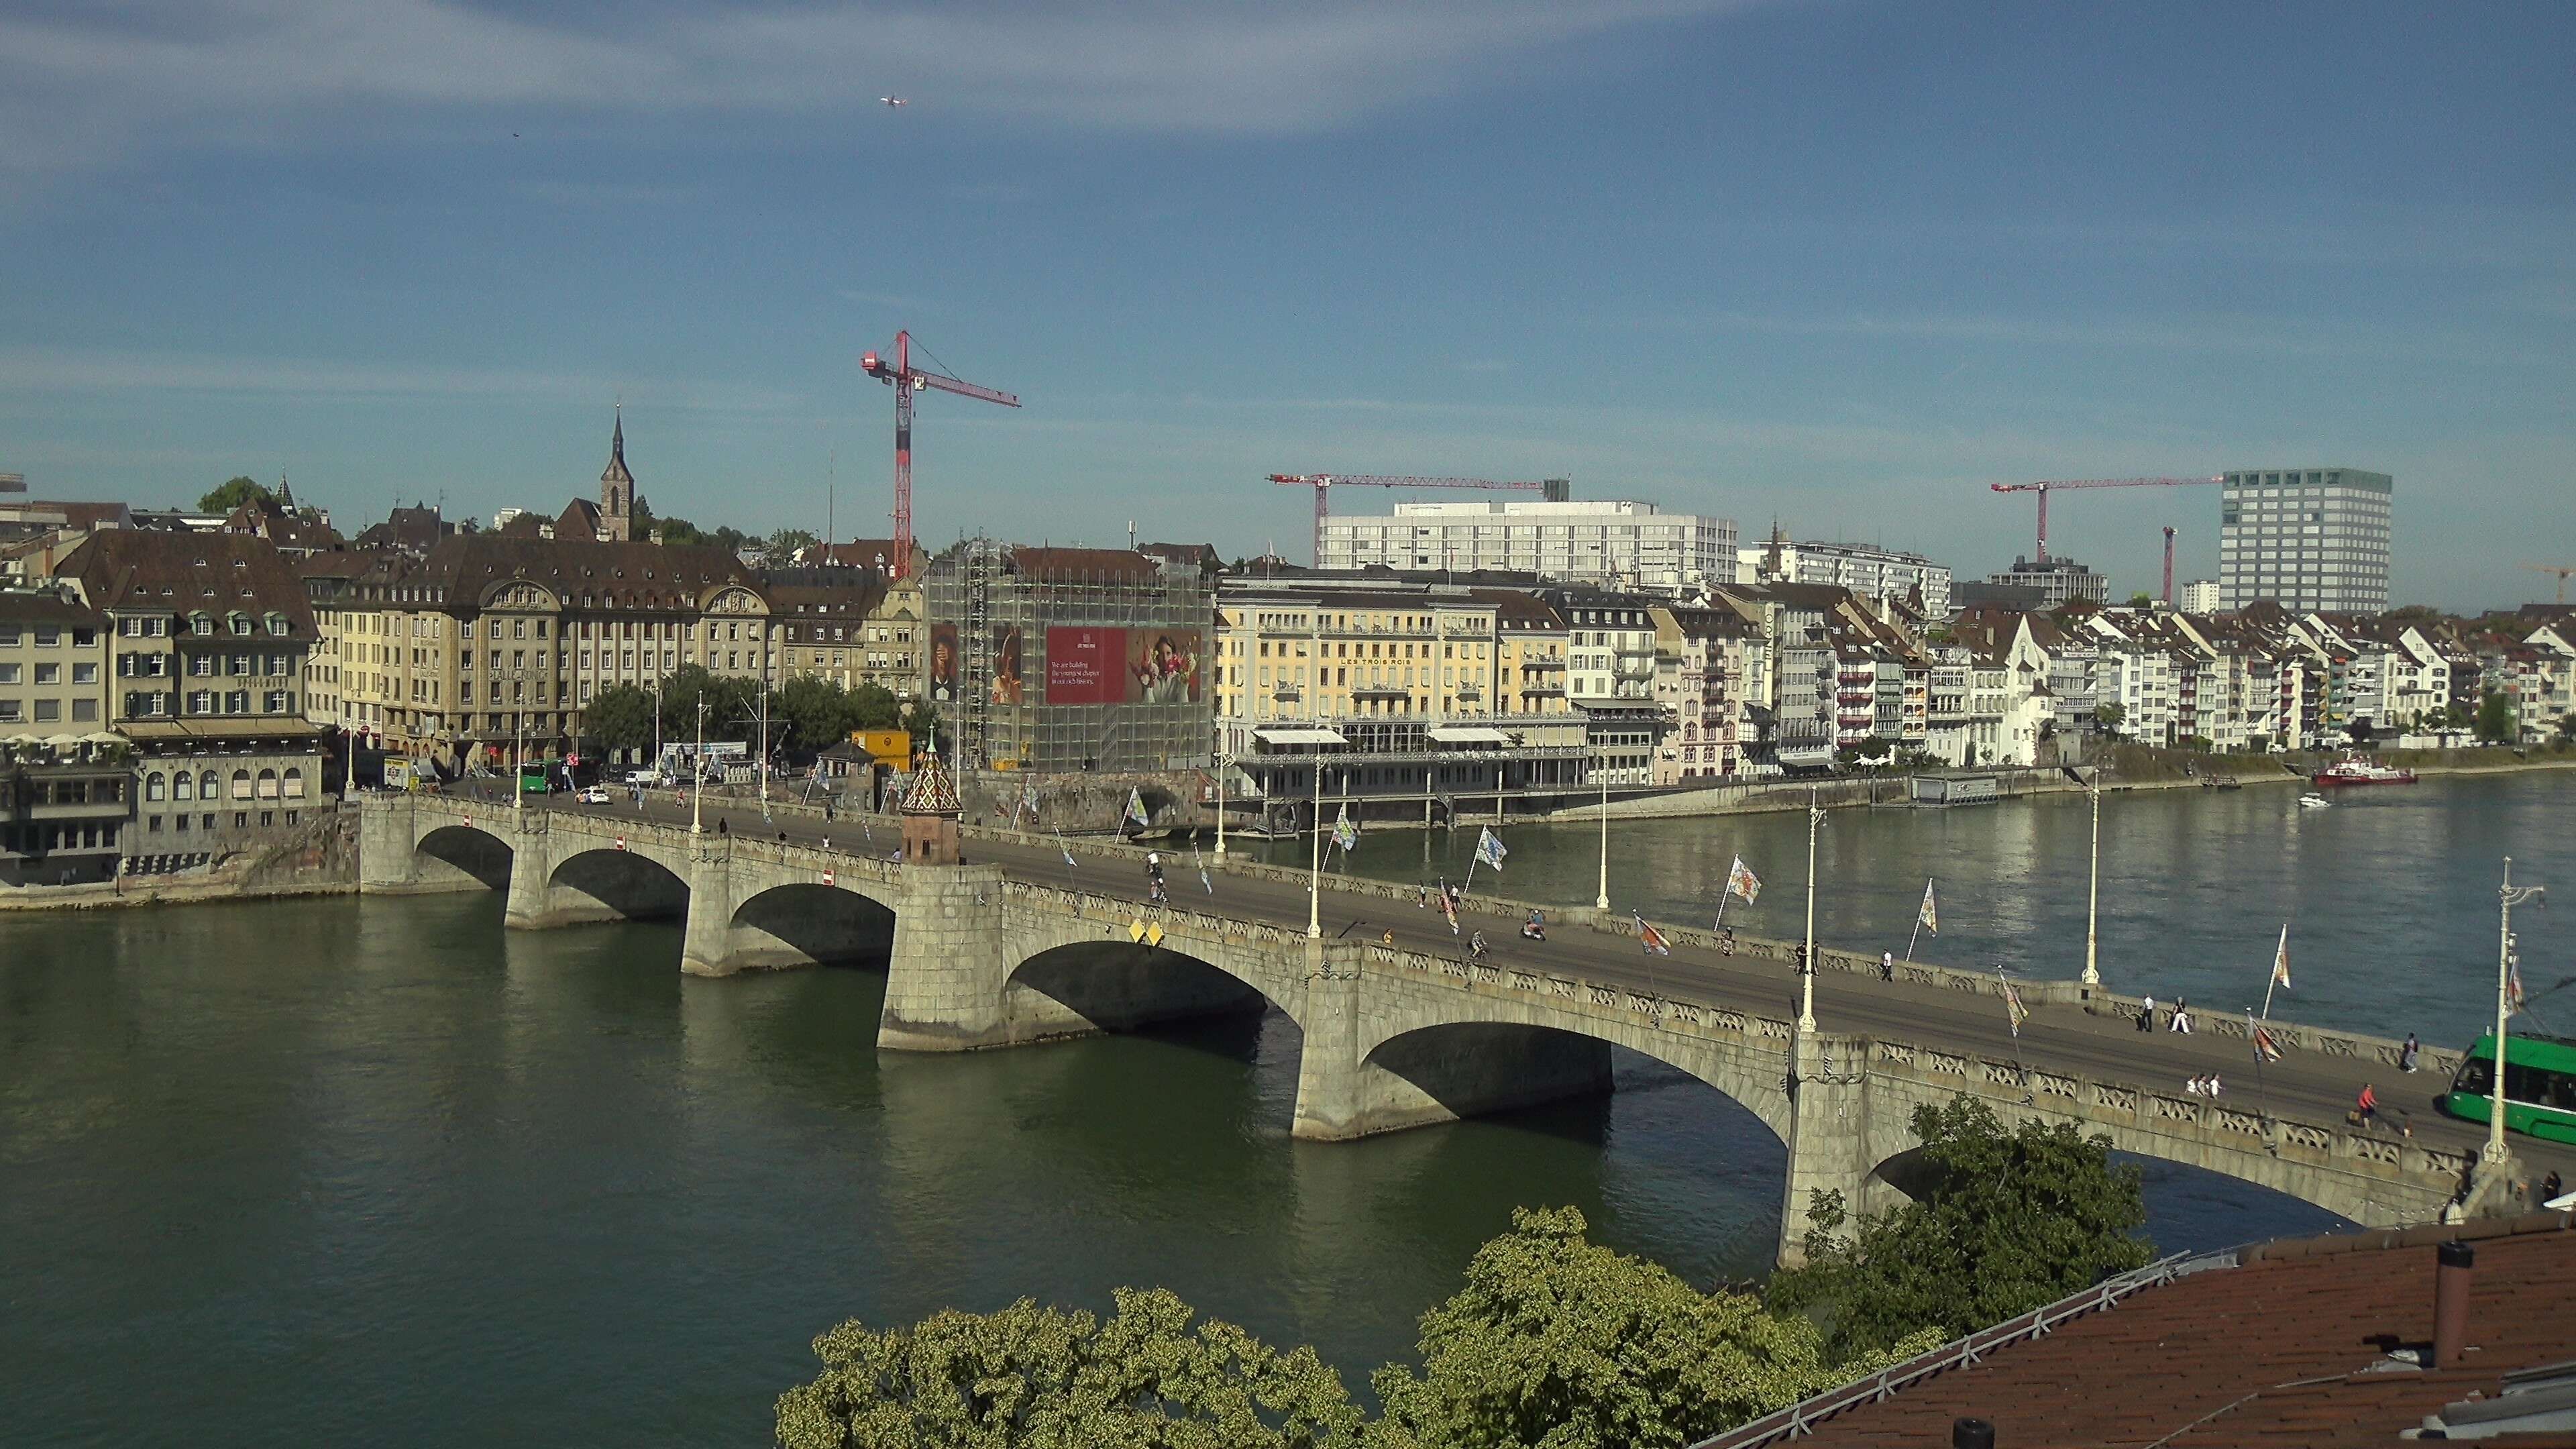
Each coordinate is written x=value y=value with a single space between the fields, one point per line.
x=2562 y=573
x=1556 y=490
x=906 y=380
x=2044 y=489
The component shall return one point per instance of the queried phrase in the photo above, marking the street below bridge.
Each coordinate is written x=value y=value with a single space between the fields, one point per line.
x=2060 y=1037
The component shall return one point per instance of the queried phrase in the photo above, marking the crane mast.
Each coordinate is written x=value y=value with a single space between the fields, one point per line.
x=906 y=380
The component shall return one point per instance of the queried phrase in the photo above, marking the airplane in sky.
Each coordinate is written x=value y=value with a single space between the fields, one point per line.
x=895 y=100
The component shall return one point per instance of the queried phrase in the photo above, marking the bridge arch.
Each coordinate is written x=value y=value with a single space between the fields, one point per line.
x=1108 y=982
x=800 y=923
x=608 y=884
x=466 y=851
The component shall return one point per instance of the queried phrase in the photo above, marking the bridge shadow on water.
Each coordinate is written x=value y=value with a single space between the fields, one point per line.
x=472 y=851
x=1120 y=986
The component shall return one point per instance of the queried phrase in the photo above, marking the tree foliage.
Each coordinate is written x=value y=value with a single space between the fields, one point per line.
x=921 y=717
x=2495 y=722
x=778 y=551
x=677 y=531
x=2014 y=1220
x=1557 y=1341
x=733 y=704
x=1050 y=1378
x=620 y=717
x=232 y=494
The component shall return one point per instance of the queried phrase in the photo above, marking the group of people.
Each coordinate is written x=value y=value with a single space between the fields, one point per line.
x=2202 y=1086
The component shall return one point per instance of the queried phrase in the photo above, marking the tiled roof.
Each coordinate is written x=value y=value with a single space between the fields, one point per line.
x=27 y=606
x=2289 y=1349
x=138 y=570
x=458 y=572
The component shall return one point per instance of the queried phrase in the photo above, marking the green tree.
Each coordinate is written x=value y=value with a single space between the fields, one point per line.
x=2111 y=714
x=921 y=719
x=2495 y=723
x=620 y=717
x=2566 y=736
x=2013 y=1220
x=232 y=494
x=874 y=707
x=1050 y=1378
x=2142 y=600
x=778 y=551
x=817 y=712
x=1555 y=1340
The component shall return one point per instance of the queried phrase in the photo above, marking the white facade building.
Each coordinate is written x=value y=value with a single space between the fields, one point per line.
x=1876 y=573
x=2200 y=596
x=2308 y=539
x=1623 y=545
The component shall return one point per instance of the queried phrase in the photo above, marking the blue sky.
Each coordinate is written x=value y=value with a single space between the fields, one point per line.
x=1838 y=263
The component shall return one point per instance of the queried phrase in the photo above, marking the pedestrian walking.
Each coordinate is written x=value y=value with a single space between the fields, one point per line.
x=2551 y=1189
x=720 y=825
x=1886 y=965
x=2406 y=1054
x=2365 y=1108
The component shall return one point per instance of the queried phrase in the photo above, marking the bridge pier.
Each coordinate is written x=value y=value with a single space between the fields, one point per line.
x=706 y=941
x=389 y=861
x=532 y=869
x=1829 y=1138
x=947 y=979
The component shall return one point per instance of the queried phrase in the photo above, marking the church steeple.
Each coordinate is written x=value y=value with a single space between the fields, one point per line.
x=617 y=487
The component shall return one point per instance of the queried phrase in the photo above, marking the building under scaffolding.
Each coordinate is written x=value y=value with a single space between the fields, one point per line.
x=1065 y=659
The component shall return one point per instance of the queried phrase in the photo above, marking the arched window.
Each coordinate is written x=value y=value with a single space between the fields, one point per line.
x=156 y=782
x=183 y=786
x=268 y=784
x=207 y=789
x=241 y=784
x=294 y=784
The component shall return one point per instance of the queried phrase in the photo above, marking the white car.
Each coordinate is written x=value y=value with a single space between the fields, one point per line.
x=593 y=796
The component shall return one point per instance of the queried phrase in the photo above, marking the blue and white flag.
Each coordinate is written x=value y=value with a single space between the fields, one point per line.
x=1136 y=809
x=1489 y=849
x=1346 y=831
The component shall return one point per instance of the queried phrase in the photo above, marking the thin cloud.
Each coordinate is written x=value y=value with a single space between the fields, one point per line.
x=51 y=370
x=2260 y=336
x=79 y=88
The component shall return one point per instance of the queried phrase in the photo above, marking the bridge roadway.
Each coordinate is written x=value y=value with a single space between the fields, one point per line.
x=2063 y=1038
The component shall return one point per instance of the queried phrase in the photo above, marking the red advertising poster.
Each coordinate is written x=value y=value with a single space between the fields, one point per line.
x=1086 y=666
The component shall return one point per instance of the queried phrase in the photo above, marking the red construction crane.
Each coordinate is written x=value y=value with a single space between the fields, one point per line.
x=1323 y=483
x=2044 y=489
x=907 y=380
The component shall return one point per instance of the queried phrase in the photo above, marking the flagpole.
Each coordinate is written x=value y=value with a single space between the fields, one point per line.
x=1601 y=900
x=1315 y=868
x=2275 y=978
x=1807 y=964
x=1917 y=932
x=2093 y=893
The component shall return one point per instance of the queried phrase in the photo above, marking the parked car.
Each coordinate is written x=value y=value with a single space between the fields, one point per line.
x=593 y=796
x=646 y=778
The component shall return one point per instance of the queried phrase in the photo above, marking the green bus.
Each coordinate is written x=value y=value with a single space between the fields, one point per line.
x=2539 y=1086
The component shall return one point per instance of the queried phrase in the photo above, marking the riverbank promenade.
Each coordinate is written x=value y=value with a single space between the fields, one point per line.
x=1013 y=946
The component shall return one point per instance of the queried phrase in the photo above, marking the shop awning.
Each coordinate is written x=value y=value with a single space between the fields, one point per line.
x=1468 y=735
x=1308 y=736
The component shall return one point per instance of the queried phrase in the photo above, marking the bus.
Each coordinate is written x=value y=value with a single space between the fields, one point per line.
x=2539 y=1086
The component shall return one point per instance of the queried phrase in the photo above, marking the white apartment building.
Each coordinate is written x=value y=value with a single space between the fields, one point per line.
x=1612 y=545
x=1887 y=575
x=2306 y=538
x=2200 y=596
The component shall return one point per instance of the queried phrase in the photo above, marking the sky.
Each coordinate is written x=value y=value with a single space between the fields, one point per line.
x=1840 y=265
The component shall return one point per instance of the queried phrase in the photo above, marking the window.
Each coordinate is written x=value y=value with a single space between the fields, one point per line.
x=8 y=674
x=241 y=784
x=49 y=711
x=155 y=784
x=294 y=779
x=277 y=624
x=49 y=674
x=268 y=784
x=84 y=711
x=84 y=674
x=10 y=711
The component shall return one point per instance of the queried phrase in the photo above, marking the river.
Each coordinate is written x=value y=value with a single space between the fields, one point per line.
x=340 y=1171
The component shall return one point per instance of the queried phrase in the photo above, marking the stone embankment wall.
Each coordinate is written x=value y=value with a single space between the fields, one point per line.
x=317 y=857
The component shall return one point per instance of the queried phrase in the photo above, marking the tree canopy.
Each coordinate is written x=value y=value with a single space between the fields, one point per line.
x=2013 y=1220
x=1559 y=1342
x=620 y=717
x=2495 y=722
x=232 y=494
x=1052 y=1378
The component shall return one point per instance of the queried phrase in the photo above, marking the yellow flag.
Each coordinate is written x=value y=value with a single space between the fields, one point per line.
x=1930 y=916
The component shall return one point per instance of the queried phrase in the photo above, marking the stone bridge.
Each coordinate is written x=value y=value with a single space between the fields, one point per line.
x=1392 y=1037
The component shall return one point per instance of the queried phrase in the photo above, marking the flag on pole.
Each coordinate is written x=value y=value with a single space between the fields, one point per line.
x=1489 y=848
x=2513 y=984
x=1136 y=809
x=2265 y=1048
x=1650 y=938
x=1346 y=831
x=1741 y=882
x=1929 y=917
x=1201 y=862
x=2281 y=961
x=1449 y=908
x=2014 y=1012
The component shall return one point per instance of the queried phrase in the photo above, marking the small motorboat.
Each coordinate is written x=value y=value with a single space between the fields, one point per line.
x=2315 y=801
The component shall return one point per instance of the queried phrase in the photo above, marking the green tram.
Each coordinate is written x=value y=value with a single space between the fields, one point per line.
x=2539 y=1086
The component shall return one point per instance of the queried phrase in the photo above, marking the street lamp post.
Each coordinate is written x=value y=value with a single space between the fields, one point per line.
x=2093 y=893
x=1315 y=870
x=1220 y=807
x=1601 y=896
x=519 y=763
x=698 y=768
x=1807 y=957
x=2508 y=896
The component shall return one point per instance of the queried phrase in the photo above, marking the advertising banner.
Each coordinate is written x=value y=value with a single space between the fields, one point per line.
x=1086 y=666
x=1163 y=666
x=1006 y=665
x=943 y=663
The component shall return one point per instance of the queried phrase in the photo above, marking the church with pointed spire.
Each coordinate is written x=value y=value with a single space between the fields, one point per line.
x=612 y=518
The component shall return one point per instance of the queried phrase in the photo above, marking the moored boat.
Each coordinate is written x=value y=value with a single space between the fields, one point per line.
x=2354 y=770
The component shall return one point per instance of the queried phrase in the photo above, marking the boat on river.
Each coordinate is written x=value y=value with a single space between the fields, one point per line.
x=2354 y=770
x=2314 y=801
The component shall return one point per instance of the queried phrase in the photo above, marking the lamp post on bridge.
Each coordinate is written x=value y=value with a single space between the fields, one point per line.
x=1220 y=807
x=2508 y=896
x=1807 y=956
x=698 y=768
x=2093 y=891
x=1315 y=870
x=1601 y=897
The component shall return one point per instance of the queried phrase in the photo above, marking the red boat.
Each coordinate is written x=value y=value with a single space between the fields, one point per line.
x=2354 y=770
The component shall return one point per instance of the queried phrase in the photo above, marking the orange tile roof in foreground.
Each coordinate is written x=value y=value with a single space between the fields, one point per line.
x=2290 y=1349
